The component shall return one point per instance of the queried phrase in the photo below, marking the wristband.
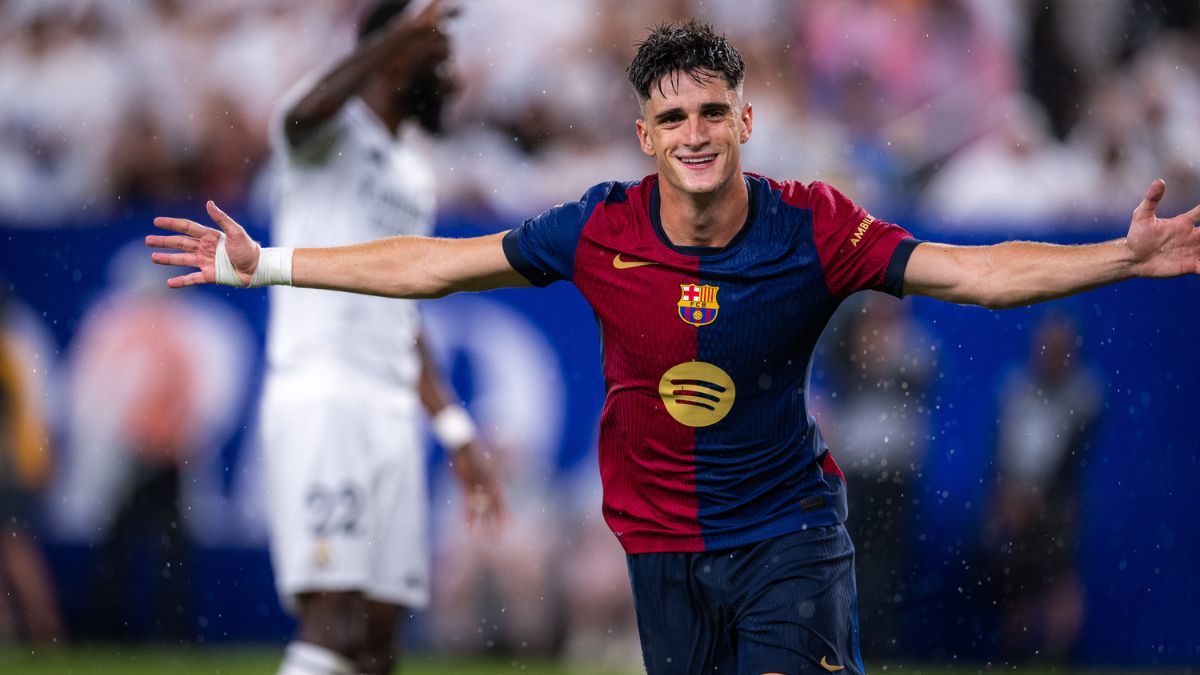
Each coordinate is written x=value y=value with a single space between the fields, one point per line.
x=453 y=428
x=274 y=267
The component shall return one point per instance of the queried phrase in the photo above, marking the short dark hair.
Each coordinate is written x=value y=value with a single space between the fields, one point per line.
x=691 y=47
x=377 y=15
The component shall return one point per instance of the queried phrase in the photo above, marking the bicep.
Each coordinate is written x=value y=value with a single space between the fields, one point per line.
x=476 y=264
x=946 y=272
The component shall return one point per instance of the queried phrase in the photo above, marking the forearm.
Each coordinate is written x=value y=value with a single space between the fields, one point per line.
x=430 y=387
x=342 y=81
x=406 y=267
x=1017 y=273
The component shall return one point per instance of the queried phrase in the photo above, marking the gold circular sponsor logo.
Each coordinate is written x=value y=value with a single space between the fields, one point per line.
x=697 y=394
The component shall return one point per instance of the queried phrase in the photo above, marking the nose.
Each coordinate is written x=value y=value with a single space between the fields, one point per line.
x=696 y=133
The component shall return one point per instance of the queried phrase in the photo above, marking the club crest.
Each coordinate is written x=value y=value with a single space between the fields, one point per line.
x=698 y=304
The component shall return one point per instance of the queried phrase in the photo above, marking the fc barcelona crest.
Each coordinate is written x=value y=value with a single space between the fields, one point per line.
x=698 y=304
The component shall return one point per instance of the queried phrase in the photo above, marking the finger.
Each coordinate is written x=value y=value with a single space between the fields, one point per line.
x=433 y=11
x=228 y=225
x=178 y=243
x=176 y=259
x=182 y=225
x=1193 y=216
x=438 y=11
x=1153 y=196
x=193 y=279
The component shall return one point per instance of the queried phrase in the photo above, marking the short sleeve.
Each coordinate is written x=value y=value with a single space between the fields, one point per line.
x=542 y=249
x=857 y=251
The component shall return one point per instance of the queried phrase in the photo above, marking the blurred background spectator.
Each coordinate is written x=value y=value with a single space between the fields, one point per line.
x=114 y=102
x=146 y=413
x=1049 y=407
x=28 y=602
x=967 y=120
x=881 y=363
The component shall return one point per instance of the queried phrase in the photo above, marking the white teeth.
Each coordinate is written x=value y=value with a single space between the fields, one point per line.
x=699 y=160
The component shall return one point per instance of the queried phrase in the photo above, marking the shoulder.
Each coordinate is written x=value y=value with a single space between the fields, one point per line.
x=606 y=195
x=815 y=195
x=613 y=193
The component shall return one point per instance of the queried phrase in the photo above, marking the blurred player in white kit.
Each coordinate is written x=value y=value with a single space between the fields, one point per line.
x=347 y=373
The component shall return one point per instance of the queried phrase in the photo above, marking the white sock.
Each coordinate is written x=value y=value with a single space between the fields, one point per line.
x=304 y=658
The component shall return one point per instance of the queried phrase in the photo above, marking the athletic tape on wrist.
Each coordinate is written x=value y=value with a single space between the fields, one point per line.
x=274 y=267
x=453 y=427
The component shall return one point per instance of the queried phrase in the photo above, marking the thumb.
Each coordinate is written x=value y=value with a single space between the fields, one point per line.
x=1150 y=202
x=228 y=225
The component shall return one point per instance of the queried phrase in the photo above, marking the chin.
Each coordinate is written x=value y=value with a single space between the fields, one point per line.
x=702 y=185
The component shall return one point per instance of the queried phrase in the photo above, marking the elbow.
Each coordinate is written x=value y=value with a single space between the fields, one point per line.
x=988 y=293
x=997 y=304
x=1003 y=298
x=416 y=292
x=993 y=301
x=427 y=287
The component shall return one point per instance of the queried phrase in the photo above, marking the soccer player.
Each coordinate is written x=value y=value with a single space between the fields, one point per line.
x=347 y=374
x=711 y=286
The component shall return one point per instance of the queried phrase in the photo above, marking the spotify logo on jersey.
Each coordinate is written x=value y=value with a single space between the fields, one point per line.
x=697 y=394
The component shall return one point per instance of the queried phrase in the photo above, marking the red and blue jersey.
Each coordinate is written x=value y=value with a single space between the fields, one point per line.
x=706 y=441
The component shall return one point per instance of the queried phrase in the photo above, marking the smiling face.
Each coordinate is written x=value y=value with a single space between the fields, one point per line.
x=694 y=128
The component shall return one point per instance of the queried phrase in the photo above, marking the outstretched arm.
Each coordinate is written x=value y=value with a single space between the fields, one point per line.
x=399 y=267
x=406 y=43
x=1017 y=273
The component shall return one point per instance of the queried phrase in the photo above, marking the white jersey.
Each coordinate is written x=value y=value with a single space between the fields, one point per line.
x=341 y=435
x=351 y=182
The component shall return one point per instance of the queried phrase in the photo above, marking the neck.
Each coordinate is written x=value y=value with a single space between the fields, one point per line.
x=712 y=219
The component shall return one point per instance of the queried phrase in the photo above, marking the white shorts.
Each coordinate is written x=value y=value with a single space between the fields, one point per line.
x=346 y=490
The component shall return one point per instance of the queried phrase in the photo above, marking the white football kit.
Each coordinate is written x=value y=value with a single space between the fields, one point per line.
x=344 y=456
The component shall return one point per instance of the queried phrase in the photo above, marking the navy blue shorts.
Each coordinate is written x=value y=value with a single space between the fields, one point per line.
x=784 y=605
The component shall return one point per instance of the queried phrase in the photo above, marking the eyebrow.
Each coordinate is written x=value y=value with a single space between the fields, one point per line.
x=704 y=108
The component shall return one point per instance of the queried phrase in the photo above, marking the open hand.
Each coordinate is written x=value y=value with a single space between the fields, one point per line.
x=482 y=494
x=419 y=40
x=200 y=245
x=1163 y=247
x=427 y=20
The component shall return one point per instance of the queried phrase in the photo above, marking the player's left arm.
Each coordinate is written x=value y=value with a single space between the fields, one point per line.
x=472 y=465
x=1018 y=273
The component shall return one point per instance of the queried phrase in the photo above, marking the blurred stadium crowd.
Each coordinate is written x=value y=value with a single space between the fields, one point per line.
x=962 y=114
x=940 y=107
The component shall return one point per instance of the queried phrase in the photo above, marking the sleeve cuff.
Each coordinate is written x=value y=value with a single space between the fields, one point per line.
x=516 y=258
x=893 y=279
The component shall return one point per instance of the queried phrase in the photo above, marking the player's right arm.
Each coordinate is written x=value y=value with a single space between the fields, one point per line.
x=398 y=267
x=407 y=43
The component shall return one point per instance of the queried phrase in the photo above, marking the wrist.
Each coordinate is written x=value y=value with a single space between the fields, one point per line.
x=274 y=267
x=453 y=428
x=1129 y=262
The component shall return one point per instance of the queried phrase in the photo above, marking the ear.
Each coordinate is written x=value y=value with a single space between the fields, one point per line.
x=747 y=122
x=643 y=135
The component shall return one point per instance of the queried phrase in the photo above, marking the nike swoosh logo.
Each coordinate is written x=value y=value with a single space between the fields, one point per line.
x=629 y=264
x=830 y=667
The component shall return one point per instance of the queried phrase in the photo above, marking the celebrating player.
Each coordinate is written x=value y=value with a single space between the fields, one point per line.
x=711 y=286
x=347 y=374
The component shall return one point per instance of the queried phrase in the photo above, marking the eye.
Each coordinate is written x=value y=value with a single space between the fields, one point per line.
x=715 y=114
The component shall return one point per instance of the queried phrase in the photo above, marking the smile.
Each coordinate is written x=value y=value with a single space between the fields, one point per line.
x=698 y=162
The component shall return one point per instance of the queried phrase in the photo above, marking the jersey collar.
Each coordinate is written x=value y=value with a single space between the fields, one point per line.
x=752 y=190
